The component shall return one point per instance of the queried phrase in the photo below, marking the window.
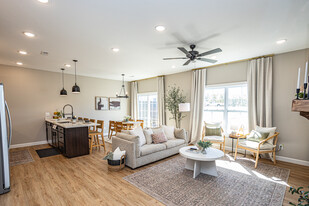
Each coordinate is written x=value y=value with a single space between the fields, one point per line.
x=227 y=104
x=148 y=109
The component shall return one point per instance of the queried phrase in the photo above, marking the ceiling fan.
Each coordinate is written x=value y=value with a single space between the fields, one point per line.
x=195 y=55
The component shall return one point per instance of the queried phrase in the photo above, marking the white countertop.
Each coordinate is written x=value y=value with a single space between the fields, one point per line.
x=68 y=124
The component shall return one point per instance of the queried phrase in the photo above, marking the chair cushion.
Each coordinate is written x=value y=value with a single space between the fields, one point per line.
x=169 y=131
x=254 y=145
x=214 y=138
x=174 y=143
x=138 y=131
x=151 y=148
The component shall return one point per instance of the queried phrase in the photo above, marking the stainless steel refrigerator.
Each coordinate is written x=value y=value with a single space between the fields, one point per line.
x=5 y=141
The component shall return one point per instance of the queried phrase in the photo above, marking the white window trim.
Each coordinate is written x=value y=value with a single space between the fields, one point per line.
x=225 y=110
x=146 y=93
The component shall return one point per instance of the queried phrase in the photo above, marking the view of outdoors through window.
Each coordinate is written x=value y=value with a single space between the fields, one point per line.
x=148 y=109
x=227 y=104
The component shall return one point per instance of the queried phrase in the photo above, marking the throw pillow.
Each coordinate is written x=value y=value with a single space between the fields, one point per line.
x=148 y=132
x=169 y=131
x=157 y=130
x=138 y=131
x=257 y=136
x=180 y=133
x=270 y=130
x=158 y=138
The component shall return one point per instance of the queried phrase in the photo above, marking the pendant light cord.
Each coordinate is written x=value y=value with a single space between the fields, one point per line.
x=62 y=79
x=75 y=72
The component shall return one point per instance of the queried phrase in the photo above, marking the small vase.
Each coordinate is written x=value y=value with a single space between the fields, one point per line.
x=203 y=151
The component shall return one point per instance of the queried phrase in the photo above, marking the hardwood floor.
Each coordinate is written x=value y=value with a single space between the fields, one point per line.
x=86 y=180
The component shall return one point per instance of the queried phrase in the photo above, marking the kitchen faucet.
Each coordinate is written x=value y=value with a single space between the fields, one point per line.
x=63 y=114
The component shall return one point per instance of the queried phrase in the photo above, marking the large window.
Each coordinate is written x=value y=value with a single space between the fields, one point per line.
x=227 y=104
x=148 y=108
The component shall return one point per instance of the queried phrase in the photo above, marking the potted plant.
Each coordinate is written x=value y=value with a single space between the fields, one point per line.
x=173 y=98
x=127 y=118
x=203 y=145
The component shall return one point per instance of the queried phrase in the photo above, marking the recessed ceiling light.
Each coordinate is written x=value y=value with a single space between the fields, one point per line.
x=115 y=49
x=29 y=34
x=19 y=63
x=43 y=1
x=22 y=52
x=281 y=41
x=173 y=66
x=160 y=28
x=67 y=65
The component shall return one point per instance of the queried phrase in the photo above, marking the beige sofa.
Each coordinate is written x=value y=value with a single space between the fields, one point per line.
x=141 y=155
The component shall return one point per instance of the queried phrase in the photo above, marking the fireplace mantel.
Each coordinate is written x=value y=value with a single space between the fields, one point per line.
x=301 y=106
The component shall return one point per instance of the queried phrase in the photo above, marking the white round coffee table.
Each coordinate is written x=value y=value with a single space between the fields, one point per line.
x=201 y=163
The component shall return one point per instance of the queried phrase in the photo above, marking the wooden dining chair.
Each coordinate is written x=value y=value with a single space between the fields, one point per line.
x=92 y=128
x=79 y=118
x=86 y=119
x=111 y=129
x=119 y=127
x=94 y=136
x=142 y=122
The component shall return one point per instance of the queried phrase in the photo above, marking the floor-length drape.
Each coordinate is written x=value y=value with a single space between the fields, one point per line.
x=197 y=104
x=133 y=97
x=161 y=102
x=259 y=77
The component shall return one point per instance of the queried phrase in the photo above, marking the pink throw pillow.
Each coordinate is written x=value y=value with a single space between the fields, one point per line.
x=159 y=137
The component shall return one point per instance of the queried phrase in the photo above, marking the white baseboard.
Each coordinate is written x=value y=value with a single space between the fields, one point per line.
x=280 y=158
x=292 y=160
x=28 y=144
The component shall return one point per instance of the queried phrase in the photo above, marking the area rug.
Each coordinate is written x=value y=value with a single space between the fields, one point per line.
x=47 y=152
x=238 y=183
x=20 y=157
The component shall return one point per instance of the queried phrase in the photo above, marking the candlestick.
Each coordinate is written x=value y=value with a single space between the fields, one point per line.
x=298 y=79
x=306 y=73
x=297 y=93
x=308 y=91
x=305 y=87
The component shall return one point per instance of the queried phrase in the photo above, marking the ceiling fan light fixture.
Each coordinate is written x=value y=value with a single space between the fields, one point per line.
x=22 y=52
x=160 y=28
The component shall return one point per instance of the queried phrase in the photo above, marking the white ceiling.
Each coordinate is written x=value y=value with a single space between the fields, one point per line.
x=87 y=30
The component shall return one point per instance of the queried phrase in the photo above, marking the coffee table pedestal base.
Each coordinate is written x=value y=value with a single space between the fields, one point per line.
x=205 y=167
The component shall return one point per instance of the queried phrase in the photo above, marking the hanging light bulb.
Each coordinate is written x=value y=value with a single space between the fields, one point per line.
x=75 y=88
x=123 y=93
x=63 y=92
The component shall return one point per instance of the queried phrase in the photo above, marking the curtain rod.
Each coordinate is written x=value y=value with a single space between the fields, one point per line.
x=242 y=60
x=147 y=78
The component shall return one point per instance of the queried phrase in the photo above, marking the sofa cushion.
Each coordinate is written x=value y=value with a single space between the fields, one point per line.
x=169 y=131
x=151 y=148
x=174 y=143
x=148 y=132
x=138 y=131
x=254 y=145
x=158 y=138
x=127 y=136
x=214 y=138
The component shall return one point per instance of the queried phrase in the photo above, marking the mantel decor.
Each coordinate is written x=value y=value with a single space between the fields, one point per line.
x=301 y=106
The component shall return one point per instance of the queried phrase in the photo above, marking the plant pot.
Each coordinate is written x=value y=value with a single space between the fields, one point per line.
x=203 y=151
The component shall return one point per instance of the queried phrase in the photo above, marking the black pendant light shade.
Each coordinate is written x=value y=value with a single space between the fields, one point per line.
x=75 y=88
x=63 y=92
x=123 y=93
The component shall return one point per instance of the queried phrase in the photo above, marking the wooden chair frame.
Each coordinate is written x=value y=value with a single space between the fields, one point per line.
x=94 y=136
x=257 y=151
x=111 y=129
x=222 y=144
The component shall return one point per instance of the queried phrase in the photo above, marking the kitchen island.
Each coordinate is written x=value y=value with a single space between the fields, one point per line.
x=70 y=138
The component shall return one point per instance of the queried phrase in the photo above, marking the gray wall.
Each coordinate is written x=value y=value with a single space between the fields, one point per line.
x=30 y=93
x=293 y=128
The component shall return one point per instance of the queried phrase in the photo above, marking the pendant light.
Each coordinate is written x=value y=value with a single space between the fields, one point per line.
x=63 y=92
x=75 y=88
x=123 y=93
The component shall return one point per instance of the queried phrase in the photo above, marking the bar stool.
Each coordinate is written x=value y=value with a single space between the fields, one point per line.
x=94 y=136
x=111 y=129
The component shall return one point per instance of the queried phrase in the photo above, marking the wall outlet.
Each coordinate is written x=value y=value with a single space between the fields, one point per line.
x=281 y=147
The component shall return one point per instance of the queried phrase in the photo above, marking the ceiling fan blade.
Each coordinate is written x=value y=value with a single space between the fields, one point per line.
x=210 y=52
x=183 y=50
x=207 y=60
x=174 y=58
x=187 y=62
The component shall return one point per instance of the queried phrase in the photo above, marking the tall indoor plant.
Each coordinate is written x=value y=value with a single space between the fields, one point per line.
x=173 y=98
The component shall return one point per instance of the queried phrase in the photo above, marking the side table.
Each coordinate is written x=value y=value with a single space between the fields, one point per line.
x=235 y=136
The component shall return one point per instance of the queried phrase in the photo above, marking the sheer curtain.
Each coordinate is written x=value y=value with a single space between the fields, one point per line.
x=161 y=102
x=197 y=104
x=133 y=97
x=259 y=77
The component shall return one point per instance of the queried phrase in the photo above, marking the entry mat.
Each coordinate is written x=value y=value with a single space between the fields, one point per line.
x=47 y=152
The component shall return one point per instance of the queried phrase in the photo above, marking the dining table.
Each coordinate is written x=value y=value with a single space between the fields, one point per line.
x=130 y=124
